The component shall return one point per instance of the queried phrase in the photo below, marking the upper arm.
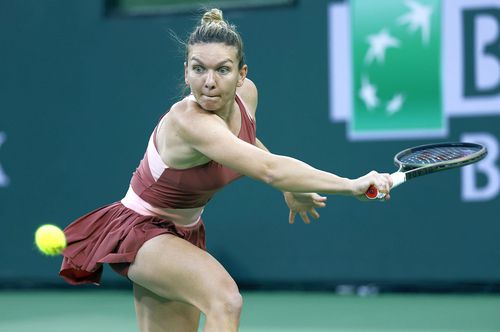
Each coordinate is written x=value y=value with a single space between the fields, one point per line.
x=208 y=134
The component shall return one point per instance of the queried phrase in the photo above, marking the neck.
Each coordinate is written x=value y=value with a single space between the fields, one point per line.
x=226 y=112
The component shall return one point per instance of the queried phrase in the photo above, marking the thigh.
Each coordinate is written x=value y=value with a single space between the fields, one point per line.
x=176 y=270
x=155 y=313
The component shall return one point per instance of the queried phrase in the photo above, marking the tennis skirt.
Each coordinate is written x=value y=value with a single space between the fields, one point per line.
x=114 y=234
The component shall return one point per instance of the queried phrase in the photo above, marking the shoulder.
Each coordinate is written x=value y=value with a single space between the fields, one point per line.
x=248 y=91
x=249 y=94
x=189 y=120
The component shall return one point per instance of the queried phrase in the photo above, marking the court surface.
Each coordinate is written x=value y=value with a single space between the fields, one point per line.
x=105 y=311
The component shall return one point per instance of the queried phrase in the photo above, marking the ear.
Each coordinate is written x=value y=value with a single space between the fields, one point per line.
x=186 y=73
x=242 y=75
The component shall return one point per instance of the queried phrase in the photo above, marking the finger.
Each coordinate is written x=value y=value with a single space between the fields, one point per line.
x=319 y=204
x=319 y=198
x=291 y=217
x=305 y=217
x=389 y=180
x=314 y=213
x=319 y=201
x=383 y=183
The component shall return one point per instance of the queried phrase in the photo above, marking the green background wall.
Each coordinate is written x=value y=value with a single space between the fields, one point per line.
x=80 y=93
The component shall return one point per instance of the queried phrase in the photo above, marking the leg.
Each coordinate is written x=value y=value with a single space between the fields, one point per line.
x=156 y=314
x=174 y=269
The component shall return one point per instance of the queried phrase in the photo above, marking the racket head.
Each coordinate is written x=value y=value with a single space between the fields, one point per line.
x=440 y=156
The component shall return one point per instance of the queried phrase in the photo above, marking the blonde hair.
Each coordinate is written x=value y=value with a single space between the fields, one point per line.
x=214 y=29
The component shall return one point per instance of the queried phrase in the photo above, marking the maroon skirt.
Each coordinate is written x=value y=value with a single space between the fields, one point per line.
x=113 y=234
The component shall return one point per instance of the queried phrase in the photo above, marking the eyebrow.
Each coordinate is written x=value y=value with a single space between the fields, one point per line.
x=217 y=65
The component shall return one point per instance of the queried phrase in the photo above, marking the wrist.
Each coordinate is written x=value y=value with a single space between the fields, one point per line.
x=350 y=187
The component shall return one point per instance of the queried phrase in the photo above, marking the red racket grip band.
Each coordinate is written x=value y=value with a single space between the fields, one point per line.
x=397 y=179
x=373 y=193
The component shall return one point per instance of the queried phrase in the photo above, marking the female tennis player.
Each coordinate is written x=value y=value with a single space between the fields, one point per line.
x=155 y=235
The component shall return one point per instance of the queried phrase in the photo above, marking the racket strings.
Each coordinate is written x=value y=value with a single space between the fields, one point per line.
x=437 y=155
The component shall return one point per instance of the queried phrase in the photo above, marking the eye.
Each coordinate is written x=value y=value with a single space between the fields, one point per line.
x=224 y=70
x=198 y=69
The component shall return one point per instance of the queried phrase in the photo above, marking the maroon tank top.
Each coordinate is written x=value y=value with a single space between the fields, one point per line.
x=185 y=188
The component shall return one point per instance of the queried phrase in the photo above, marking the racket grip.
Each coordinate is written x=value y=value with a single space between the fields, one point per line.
x=373 y=193
x=397 y=179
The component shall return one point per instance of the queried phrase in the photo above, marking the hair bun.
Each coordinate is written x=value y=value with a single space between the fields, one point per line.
x=214 y=29
x=212 y=16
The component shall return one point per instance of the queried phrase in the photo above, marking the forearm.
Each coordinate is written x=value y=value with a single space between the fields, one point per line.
x=293 y=175
x=289 y=174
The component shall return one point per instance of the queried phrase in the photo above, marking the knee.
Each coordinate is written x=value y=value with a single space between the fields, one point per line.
x=228 y=303
x=234 y=303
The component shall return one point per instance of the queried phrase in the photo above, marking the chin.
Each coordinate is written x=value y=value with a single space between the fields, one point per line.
x=210 y=105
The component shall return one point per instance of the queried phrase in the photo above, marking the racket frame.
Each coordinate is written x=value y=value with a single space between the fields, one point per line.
x=409 y=171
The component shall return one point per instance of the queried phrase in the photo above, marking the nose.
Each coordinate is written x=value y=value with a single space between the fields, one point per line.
x=210 y=80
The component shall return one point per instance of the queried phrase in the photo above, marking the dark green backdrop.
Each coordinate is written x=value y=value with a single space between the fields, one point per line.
x=81 y=92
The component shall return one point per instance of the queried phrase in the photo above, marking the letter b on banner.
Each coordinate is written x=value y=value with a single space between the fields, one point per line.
x=471 y=192
x=481 y=52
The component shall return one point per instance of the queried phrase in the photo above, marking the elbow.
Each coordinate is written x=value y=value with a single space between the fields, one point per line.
x=270 y=170
x=269 y=179
x=269 y=175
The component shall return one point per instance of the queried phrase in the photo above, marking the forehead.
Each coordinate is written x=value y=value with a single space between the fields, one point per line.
x=212 y=52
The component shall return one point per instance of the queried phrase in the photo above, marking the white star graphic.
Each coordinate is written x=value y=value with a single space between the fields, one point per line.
x=419 y=17
x=4 y=179
x=368 y=93
x=378 y=45
x=394 y=105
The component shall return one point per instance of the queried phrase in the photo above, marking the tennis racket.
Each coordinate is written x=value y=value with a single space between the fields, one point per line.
x=430 y=158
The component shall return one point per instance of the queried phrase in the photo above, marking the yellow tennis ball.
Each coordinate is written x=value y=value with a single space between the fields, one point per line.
x=50 y=240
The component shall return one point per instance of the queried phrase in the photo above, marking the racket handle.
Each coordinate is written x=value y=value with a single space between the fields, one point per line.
x=397 y=179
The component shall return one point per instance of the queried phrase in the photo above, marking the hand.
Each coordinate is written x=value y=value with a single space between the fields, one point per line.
x=303 y=203
x=381 y=181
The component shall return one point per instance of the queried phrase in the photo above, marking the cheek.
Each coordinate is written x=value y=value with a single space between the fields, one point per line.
x=191 y=80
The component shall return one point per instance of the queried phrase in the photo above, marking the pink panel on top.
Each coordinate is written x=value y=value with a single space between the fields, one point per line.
x=184 y=217
x=156 y=164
